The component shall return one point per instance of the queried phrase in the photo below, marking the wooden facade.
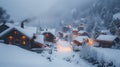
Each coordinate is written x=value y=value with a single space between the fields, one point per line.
x=107 y=44
x=83 y=34
x=16 y=37
x=75 y=32
x=49 y=37
x=77 y=43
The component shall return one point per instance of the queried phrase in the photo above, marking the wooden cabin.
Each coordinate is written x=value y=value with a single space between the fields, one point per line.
x=79 y=40
x=21 y=37
x=104 y=32
x=107 y=41
x=81 y=27
x=49 y=37
x=75 y=31
x=83 y=33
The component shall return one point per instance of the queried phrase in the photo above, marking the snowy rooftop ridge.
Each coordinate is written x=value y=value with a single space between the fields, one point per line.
x=74 y=29
x=28 y=31
x=82 y=31
x=117 y=15
x=105 y=31
x=81 y=38
x=53 y=31
x=107 y=37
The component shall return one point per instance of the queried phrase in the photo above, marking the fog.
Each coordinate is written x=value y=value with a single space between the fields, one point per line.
x=47 y=11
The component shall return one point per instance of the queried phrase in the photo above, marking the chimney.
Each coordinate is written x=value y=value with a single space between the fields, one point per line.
x=22 y=23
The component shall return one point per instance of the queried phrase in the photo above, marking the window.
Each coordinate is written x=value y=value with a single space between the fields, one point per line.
x=15 y=32
x=23 y=37
x=10 y=37
x=23 y=42
x=47 y=35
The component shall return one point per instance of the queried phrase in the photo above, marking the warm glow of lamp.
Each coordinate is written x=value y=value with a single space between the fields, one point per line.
x=47 y=35
x=15 y=32
x=23 y=37
x=64 y=49
x=91 y=42
x=10 y=37
x=23 y=42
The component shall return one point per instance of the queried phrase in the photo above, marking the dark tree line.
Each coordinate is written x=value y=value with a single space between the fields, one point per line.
x=4 y=17
x=100 y=11
x=106 y=9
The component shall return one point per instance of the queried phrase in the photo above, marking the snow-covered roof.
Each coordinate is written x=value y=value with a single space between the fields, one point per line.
x=81 y=38
x=106 y=37
x=2 y=33
x=74 y=29
x=40 y=39
x=49 y=30
x=105 y=31
x=7 y=30
x=117 y=15
x=82 y=31
x=28 y=31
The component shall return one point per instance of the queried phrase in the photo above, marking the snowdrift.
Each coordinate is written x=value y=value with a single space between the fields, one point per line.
x=102 y=56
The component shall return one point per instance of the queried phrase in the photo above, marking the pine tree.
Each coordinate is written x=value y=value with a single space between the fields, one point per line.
x=4 y=17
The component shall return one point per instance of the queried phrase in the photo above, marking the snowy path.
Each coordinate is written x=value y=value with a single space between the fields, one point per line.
x=13 y=56
x=71 y=57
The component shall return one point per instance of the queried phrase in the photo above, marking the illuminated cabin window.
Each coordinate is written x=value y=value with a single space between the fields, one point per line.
x=15 y=32
x=47 y=35
x=23 y=42
x=10 y=37
x=23 y=37
x=41 y=45
x=90 y=42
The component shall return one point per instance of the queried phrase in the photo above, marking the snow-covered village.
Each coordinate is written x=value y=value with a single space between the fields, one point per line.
x=59 y=33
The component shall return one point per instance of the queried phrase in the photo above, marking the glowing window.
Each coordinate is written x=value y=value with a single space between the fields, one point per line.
x=10 y=37
x=91 y=42
x=24 y=43
x=15 y=32
x=23 y=37
x=47 y=35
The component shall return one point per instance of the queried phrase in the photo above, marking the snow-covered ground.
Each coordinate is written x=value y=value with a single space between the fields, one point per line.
x=102 y=55
x=13 y=56
x=109 y=55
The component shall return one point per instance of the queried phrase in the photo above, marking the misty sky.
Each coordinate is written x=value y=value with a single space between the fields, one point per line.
x=20 y=9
